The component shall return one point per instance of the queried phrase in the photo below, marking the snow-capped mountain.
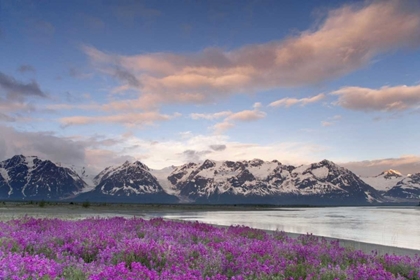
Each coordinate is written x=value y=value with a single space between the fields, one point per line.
x=270 y=182
x=408 y=188
x=384 y=181
x=392 y=184
x=32 y=178
x=254 y=181
x=88 y=176
x=128 y=182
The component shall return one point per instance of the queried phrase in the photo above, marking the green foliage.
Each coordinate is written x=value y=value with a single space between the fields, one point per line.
x=42 y=203
x=86 y=204
x=405 y=270
x=333 y=276
x=151 y=262
x=73 y=274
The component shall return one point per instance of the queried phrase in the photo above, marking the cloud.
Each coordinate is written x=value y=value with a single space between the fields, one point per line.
x=17 y=90
x=227 y=123
x=127 y=77
x=287 y=102
x=79 y=74
x=211 y=116
x=221 y=127
x=98 y=159
x=24 y=68
x=386 y=98
x=98 y=152
x=185 y=134
x=132 y=119
x=94 y=152
x=408 y=164
x=257 y=105
x=171 y=151
x=6 y=118
x=218 y=148
x=331 y=121
x=246 y=116
x=15 y=98
x=43 y=144
x=194 y=156
x=347 y=39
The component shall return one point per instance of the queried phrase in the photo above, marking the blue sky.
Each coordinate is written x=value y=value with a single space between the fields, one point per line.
x=167 y=82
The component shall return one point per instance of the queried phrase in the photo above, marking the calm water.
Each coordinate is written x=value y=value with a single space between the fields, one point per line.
x=392 y=226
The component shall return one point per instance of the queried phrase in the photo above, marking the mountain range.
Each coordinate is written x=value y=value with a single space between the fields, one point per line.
x=221 y=182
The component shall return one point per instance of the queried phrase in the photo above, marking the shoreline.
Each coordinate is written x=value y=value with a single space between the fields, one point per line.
x=77 y=212
x=366 y=247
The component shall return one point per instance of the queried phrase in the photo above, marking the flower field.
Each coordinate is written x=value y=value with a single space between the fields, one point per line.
x=119 y=248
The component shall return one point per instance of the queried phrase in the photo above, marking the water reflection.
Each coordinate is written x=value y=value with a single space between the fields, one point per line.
x=398 y=227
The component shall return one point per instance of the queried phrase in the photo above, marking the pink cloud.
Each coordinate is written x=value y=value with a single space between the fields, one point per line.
x=406 y=164
x=288 y=102
x=241 y=116
x=132 y=119
x=345 y=41
x=386 y=98
x=221 y=127
x=246 y=116
x=211 y=116
x=326 y=123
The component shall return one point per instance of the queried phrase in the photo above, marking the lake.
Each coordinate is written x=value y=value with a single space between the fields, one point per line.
x=390 y=226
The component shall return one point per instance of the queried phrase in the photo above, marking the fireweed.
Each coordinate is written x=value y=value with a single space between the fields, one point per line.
x=119 y=248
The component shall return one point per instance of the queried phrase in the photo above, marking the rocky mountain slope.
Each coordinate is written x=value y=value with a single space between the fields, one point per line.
x=257 y=181
x=128 y=182
x=384 y=181
x=32 y=178
x=231 y=182
x=394 y=185
x=408 y=188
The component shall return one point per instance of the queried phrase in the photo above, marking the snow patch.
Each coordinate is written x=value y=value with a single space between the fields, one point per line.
x=321 y=173
x=381 y=183
x=369 y=197
x=264 y=170
x=162 y=178
x=4 y=174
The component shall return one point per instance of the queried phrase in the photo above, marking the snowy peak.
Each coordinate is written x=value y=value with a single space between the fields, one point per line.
x=30 y=177
x=384 y=181
x=256 y=162
x=406 y=188
x=260 y=180
x=246 y=181
x=390 y=173
x=130 y=178
x=395 y=185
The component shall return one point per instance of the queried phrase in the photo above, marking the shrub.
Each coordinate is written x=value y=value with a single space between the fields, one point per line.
x=86 y=204
x=42 y=203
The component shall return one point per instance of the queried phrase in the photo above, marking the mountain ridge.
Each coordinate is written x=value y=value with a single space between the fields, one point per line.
x=247 y=181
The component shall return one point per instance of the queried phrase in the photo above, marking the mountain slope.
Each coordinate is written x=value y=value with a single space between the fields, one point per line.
x=257 y=181
x=128 y=182
x=32 y=178
x=384 y=181
x=408 y=188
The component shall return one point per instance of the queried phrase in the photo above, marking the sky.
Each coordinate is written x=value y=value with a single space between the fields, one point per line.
x=96 y=83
